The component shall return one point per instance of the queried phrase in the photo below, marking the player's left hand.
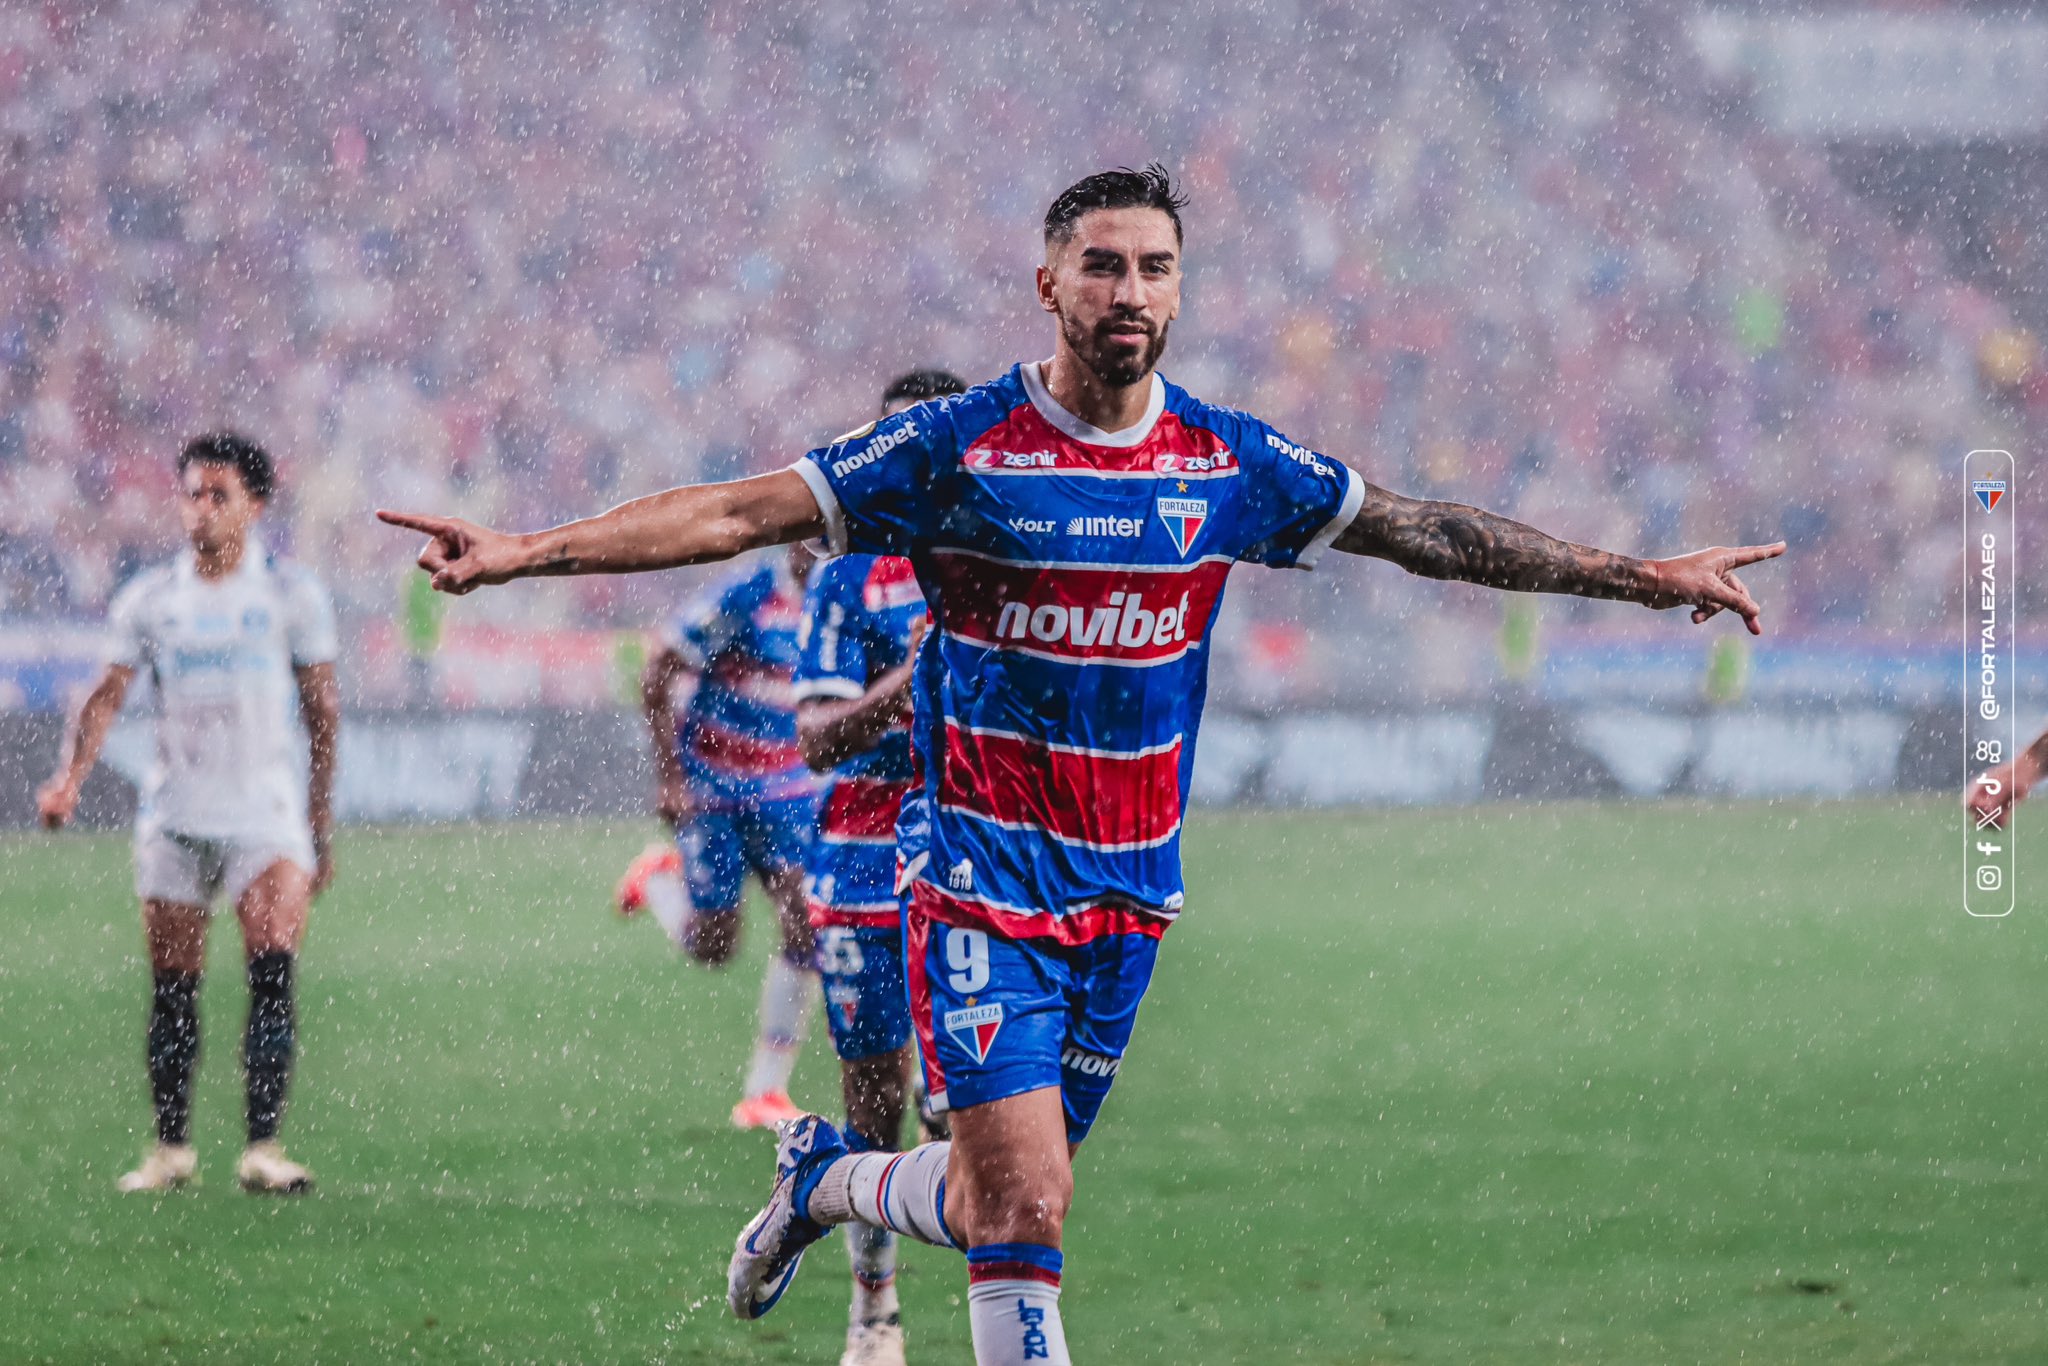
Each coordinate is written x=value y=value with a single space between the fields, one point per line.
x=56 y=802
x=1706 y=581
x=323 y=862
x=462 y=556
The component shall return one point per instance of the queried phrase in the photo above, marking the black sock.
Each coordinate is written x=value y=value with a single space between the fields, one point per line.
x=173 y=1052
x=271 y=1039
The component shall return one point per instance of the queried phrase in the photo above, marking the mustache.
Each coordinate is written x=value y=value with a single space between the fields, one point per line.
x=1122 y=319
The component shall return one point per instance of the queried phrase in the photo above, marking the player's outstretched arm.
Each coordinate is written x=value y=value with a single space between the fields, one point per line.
x=320 y=709
x=831 y=730
x=1996 y=791
x=57 y=799
x=695 y=524
x=1452 y=541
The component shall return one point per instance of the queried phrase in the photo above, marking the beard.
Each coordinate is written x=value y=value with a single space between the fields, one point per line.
x=1112 y=364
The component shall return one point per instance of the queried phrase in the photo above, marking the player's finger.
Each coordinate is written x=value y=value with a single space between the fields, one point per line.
x=415 y=521
x=1750 y=554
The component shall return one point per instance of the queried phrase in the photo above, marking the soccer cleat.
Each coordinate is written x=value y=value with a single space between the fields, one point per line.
x=874 y=1344
x=167 y=1167
x=265 y=1170
x=654 y=860
x=766 y=1111
x=771 y=1246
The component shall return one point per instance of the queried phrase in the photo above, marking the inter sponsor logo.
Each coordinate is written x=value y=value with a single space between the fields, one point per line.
x=879 y=447
x=975 y=1028
x=1105 y=526
x=1090 y=1064
x=1124 y=620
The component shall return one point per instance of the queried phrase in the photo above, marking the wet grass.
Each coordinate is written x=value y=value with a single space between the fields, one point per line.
x=1512 y=1084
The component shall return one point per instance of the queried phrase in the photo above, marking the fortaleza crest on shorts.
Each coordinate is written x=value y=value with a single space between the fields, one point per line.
x=1183 y=518
x=975 y=1028
x=1988 y=491
x=845 y=1002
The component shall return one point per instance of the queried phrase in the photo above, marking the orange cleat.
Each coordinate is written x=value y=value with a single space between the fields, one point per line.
x=654 y=861
x=766 y=1110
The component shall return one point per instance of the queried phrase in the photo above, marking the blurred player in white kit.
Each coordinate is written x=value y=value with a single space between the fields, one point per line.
x=234 y=641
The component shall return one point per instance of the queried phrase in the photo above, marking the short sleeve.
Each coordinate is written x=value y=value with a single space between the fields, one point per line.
x=312 y=633
x=1293 y=501
x=706 y=627
x=873 y=484
x=833 y=659
x=127 y=642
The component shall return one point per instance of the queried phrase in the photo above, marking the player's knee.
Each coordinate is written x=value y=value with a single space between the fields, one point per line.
x=714 y=939
x=1025 y=1210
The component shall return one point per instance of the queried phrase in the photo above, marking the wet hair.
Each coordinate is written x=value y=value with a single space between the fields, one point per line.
x=250 y=460
x=919 y=385
x=1123 y=188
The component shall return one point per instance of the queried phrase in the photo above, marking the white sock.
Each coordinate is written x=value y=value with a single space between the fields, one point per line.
x=1013 y=1305
x=668 y=901
x=873 y=1254
x=786 y=994
x=902 y=1192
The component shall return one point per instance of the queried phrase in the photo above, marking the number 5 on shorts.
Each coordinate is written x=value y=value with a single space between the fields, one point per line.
x=967 y=956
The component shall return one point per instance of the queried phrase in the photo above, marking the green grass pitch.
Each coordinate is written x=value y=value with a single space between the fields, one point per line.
x=1672 y=1083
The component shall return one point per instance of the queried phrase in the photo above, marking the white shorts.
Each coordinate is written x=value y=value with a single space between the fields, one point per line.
x=196 y=871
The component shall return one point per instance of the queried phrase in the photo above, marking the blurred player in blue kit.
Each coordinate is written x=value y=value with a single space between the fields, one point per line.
x=733 y=785
x=1072 y=523
x=863 y=617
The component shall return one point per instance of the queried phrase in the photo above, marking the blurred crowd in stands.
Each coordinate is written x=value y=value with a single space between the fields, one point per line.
x=522 y=260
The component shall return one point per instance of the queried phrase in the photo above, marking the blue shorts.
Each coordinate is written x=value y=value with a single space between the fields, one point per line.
x=998 y=1017
x=720 y=845
x=867 y=1006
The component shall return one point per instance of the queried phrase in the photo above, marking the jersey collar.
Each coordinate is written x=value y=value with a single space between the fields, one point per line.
x=1066 y=422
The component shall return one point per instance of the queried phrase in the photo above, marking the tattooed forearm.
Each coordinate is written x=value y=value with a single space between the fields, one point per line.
x=1453 y=541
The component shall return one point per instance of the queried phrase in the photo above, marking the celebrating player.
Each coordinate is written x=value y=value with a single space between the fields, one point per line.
x=1072 y=524
x=863 y=615
x=733 y=785
x=233 y=640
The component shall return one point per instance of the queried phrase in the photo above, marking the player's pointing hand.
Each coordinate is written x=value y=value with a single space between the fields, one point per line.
x=462 y=555
x=1706 y=580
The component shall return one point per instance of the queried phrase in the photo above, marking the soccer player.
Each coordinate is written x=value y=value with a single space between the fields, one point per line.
x=863 y=616
x=1072 y=523
x=735 y=788
x=234 y=642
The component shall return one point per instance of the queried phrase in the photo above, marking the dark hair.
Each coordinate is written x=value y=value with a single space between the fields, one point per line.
x=250 y=460
x=1123 y=188
x=918 y=385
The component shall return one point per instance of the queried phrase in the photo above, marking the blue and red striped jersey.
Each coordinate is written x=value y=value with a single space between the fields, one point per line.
x=737 y=740
x=1073 y=577
x=859 y=611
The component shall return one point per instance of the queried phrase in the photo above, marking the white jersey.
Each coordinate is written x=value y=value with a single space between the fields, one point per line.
x=230 y=760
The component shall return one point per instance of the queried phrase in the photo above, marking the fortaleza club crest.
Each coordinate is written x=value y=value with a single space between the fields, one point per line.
x=845 y=1003
x=1987 y=491
x=1183 y=518
x=975 y=1028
